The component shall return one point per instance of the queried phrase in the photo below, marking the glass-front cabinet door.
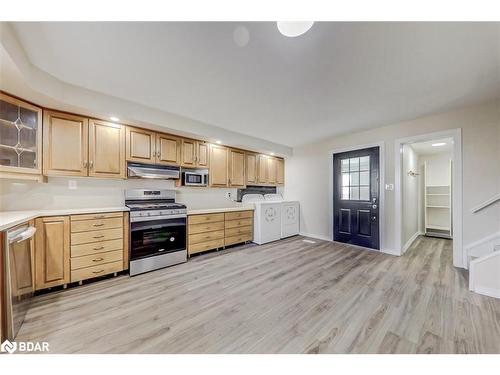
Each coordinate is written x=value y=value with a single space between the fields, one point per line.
x=20 y=136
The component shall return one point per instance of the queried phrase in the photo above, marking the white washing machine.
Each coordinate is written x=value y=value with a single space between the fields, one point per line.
x=266 y=218
x=290 y=215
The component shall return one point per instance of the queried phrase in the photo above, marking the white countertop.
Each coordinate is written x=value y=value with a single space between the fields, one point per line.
x=9 y=219
x=214 y=210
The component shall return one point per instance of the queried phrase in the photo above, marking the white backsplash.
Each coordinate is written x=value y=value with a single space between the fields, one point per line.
x=60 y=192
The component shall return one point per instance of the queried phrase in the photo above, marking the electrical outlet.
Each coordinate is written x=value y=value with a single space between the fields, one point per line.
x=228 y=195
x=72 y=185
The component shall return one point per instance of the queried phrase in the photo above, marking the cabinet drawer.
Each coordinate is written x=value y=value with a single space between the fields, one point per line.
x=87 y=225
x=202 y=228
x=209 y=218
x=208 y=236
x=237 y=239
x=238 y=215
x=204 y=246
x=239 y=223
x=96 y=236
x=96 y=247
x=99 y=216
x=96 y=259
x=96 y=271
x=239 y=230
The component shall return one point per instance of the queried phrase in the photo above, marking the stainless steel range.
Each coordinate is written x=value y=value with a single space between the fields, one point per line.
x=157 y=230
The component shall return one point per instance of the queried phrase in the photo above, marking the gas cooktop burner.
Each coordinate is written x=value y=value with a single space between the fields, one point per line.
x=154 y=206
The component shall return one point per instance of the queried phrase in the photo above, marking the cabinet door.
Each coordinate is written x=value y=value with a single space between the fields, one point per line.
x=106 y=149
x=251 y=168
x=262 y=169
x=202 y=157
x=218 y=166
x=280 y=171
x=65 y=144
x=271 y=170
x=168 y=149
x=140 y=145
x=20 y=132
x=188 y=153
x=52 y=252
x=236 y=168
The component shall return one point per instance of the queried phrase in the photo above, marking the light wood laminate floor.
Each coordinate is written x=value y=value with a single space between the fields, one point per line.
x=285 y=297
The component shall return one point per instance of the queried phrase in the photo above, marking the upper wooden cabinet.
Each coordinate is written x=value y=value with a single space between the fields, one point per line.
x=280 y=171
x=219 y=158
x=52 y=255
x=236 y=168
x=251 y=168
x=106 y=149
x=20 y=138
x=262 y=169
x=194 y=154
x=168 y=149
x=140 y=145
x=65 y=144
x=271 y=170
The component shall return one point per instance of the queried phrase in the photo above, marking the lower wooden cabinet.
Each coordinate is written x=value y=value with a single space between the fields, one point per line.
x=79 y=247
x=52 y=252
x=214 y=231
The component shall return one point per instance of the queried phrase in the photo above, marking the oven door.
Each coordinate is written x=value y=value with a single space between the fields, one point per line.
x=155 y=237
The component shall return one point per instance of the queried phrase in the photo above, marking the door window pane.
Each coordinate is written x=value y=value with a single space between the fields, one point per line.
x=355 y=178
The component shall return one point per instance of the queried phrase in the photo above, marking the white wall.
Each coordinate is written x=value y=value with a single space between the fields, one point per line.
x=92 y=192
x=307 y=175
x=410 y=194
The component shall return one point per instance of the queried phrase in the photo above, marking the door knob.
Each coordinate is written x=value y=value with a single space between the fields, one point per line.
x=374 y=206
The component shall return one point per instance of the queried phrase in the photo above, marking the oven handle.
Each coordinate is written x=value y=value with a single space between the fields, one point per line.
x=156 y=218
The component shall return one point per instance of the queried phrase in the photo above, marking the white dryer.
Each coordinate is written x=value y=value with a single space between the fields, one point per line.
x=290 y=215
x=266 y=218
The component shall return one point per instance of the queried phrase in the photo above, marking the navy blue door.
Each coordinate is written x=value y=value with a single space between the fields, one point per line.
x=356 y=197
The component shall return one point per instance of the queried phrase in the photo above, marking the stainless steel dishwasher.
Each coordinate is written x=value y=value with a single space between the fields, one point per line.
x=19 y=275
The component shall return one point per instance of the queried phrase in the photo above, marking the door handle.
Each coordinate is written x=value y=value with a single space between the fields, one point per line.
x=374 y=206
x=374 y=218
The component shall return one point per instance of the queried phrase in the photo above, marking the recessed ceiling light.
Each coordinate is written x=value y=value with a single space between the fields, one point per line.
x=113 y=118
x=218 y=142
x=272 y=153
x=439 y=144
x=294 y=28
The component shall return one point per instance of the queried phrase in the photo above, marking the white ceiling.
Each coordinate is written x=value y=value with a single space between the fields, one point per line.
x=427 y=148
x=336 y=78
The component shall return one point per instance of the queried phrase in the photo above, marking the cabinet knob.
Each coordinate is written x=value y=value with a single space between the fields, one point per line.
x=85 y=164
x=91 y=164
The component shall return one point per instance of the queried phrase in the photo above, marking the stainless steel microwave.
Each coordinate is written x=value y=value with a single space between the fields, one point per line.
x=195 y=177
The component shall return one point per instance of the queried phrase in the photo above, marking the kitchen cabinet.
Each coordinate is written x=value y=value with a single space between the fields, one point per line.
x=271 y=170
x=65 y=144
x=219 y=158
x=20 y=139
x=168 y=149
x=195 y=154
x=140 y=145
x=251 y=168
x=262 y=169
x=52 y=254
x=236 y=168
x=280 y=171
x=106 y=149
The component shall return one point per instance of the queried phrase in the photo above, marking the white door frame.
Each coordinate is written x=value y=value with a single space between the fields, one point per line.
x=381 y=225
x=459 y=258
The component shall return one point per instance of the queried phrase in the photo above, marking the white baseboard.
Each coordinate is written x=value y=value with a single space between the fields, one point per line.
x=391 y=252
x=490 y=292
x=410 y=241
x=317 y=236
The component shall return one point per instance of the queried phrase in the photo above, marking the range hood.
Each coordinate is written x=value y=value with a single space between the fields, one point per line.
x=158 y=172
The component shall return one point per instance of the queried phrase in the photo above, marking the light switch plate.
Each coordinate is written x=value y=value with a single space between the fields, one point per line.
x=72 y=185
x=389 y=186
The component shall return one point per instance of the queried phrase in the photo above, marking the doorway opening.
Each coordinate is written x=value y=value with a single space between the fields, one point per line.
x=356 y=197
x=427 y=190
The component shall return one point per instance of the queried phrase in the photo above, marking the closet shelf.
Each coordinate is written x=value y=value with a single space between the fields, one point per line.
x=438 y=227
x=437 y=206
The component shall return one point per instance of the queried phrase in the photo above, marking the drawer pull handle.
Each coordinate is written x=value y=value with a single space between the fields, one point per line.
x=97 y=260
x=101 y=236
x=99 y=248
x=98 y=271
x=98 y=225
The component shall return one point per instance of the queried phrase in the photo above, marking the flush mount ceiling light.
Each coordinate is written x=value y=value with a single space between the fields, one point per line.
x=218 y=142
x=439 y=144
x=115 y=119
x=272 y=153
x=294 y=28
